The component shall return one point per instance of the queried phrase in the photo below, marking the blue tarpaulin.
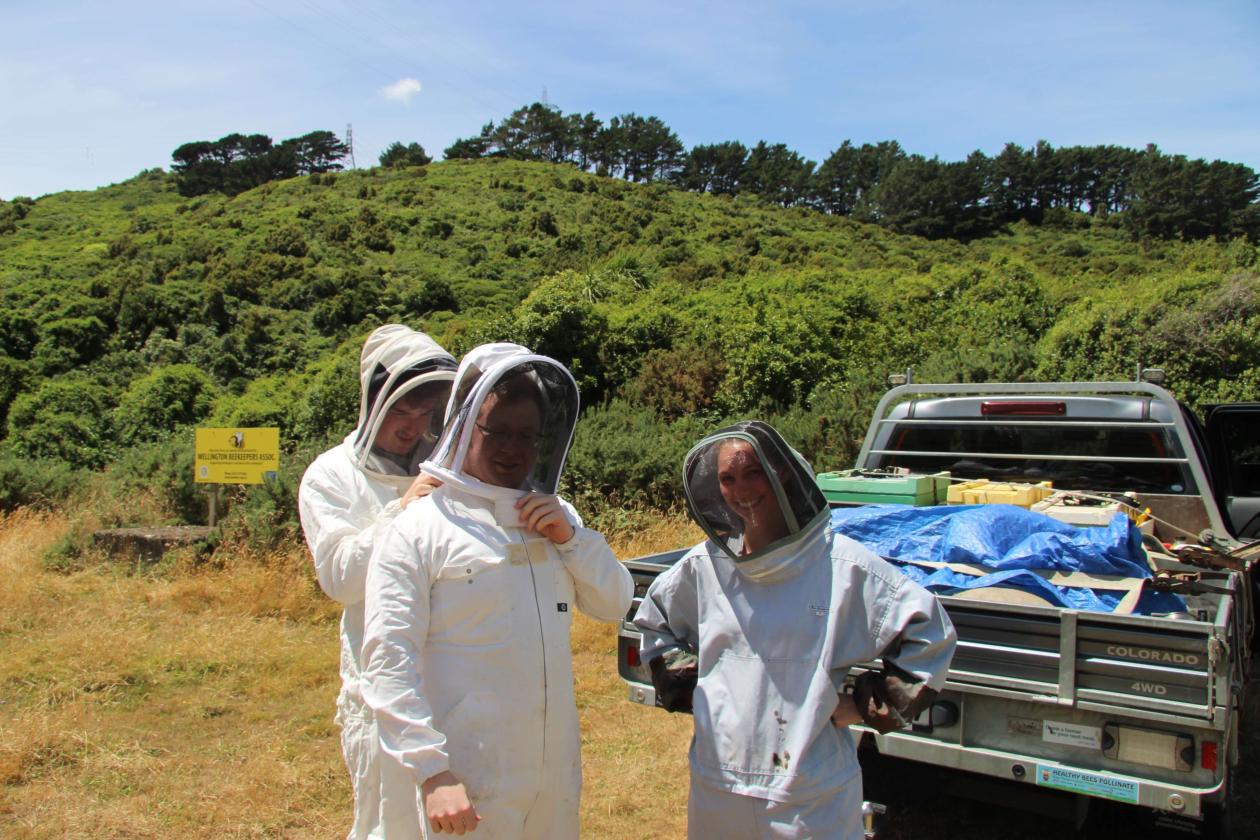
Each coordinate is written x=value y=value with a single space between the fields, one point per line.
x=1008 y=540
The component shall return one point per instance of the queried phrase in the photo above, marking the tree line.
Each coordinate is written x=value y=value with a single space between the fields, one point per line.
x=240 y=162
x=1158 y=195
x=1150 y=193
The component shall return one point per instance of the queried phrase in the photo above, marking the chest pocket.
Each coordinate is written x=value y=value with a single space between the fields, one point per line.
x=469 y=604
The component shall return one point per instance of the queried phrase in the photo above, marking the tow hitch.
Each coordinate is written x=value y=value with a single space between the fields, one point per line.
x=871 y=812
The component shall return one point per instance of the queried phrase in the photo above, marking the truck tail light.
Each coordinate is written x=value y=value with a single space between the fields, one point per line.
x=1207 y=757
x=1023 y=408
x=632 y=656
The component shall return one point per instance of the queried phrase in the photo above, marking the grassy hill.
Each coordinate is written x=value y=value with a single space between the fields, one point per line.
x=196 y=696
x=129 y=313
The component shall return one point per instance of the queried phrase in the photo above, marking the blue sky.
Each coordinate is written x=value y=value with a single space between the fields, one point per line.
x=91 y=93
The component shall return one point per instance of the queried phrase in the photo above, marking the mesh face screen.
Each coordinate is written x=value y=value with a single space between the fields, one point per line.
x=522 y=422
x=745 y=478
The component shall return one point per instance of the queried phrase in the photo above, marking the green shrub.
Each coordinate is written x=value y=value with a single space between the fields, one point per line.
x=626 y=455
x=264 y=516
x=13 y=376
x=330 y=408
x=438 y=228
x=270 y=401
x=66 y=554
x=829 y=432
x=65 y=419
x=67 y=342
x=161 y=401
x=19 y=333
x=1002 y=360
x=678 y=381
x=286 y=240
x=164 y=470
x=432 y=294
x=42 y=484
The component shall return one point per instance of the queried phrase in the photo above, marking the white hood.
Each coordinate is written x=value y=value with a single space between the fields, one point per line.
x=395 y=360
x=481 y=370
x=794 y=495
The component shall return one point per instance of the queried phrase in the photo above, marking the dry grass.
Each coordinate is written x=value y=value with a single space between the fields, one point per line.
x=197 y=702
x=634 y=759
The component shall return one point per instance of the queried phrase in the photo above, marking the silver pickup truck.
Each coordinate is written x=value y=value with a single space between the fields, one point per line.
x=1142 y=710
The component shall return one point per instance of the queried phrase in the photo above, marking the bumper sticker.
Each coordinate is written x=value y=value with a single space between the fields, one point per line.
x=1072 y=735
x=1093 y=784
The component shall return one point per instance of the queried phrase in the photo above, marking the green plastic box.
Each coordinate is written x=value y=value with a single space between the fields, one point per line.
x=861 y=487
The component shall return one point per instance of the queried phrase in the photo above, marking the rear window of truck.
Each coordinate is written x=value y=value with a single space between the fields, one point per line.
x=1072 y=457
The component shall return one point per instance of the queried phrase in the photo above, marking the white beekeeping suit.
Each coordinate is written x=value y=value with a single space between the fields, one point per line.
x=755 y=630
x=347 y=496
x=466 y=648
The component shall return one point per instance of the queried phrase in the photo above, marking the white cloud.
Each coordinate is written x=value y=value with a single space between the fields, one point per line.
x=401 y=90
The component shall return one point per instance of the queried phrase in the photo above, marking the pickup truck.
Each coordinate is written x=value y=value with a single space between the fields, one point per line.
x=1142 y=710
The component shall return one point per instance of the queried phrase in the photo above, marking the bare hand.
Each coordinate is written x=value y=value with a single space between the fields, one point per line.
x=446 y=805
x=423 y=485
x=543 y=515
x=846 y=713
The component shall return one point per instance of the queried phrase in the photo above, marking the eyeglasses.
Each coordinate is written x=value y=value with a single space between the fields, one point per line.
x=497 y=437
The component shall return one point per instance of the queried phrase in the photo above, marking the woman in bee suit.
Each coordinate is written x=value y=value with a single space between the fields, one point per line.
x=755 y=629
x=348 y=495
x=469 y=604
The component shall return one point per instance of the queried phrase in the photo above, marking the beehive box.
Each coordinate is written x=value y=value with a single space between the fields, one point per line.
x=857 y=487
x=1092 y=513
x=985 y=492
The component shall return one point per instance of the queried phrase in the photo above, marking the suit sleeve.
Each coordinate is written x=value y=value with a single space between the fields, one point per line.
x=668 y=617
x=914 y=638
x=914 y=635
x=396 y=624
x=669 y=613
x=604 y=587
x=340 y=544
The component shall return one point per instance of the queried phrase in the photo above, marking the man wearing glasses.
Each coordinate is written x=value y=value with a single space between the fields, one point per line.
x=469 y=594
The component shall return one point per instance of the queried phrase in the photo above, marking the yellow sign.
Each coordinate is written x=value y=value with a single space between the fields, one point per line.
x=237 y=456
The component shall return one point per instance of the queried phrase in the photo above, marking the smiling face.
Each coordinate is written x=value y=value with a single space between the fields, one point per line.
x=504 y=444
x=747 y=490
x=407 y=422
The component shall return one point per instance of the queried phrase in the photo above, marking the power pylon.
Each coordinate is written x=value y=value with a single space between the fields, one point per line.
x=350 y=144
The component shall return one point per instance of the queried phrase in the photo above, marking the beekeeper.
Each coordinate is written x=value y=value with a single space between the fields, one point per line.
x=347 y=496
x=755 y=630
x=469 y=604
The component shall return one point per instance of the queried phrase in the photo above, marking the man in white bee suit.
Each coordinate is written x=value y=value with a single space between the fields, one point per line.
x=469 y=605
x=347 y=497
x=755 y=630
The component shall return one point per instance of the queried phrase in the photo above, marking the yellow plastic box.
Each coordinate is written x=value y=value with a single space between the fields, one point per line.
x=985 y=492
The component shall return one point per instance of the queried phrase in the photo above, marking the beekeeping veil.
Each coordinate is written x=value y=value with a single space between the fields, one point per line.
x=396 y=363
x=489 y=376
x=783 y=506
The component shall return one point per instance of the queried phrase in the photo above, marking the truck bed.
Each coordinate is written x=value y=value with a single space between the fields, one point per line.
x=1019 y=668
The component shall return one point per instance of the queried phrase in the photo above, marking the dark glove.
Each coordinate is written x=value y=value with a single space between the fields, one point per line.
x=674 y=675
x=888 y=701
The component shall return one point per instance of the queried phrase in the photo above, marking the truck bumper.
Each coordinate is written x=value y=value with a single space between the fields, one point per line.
x=1023 y=769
